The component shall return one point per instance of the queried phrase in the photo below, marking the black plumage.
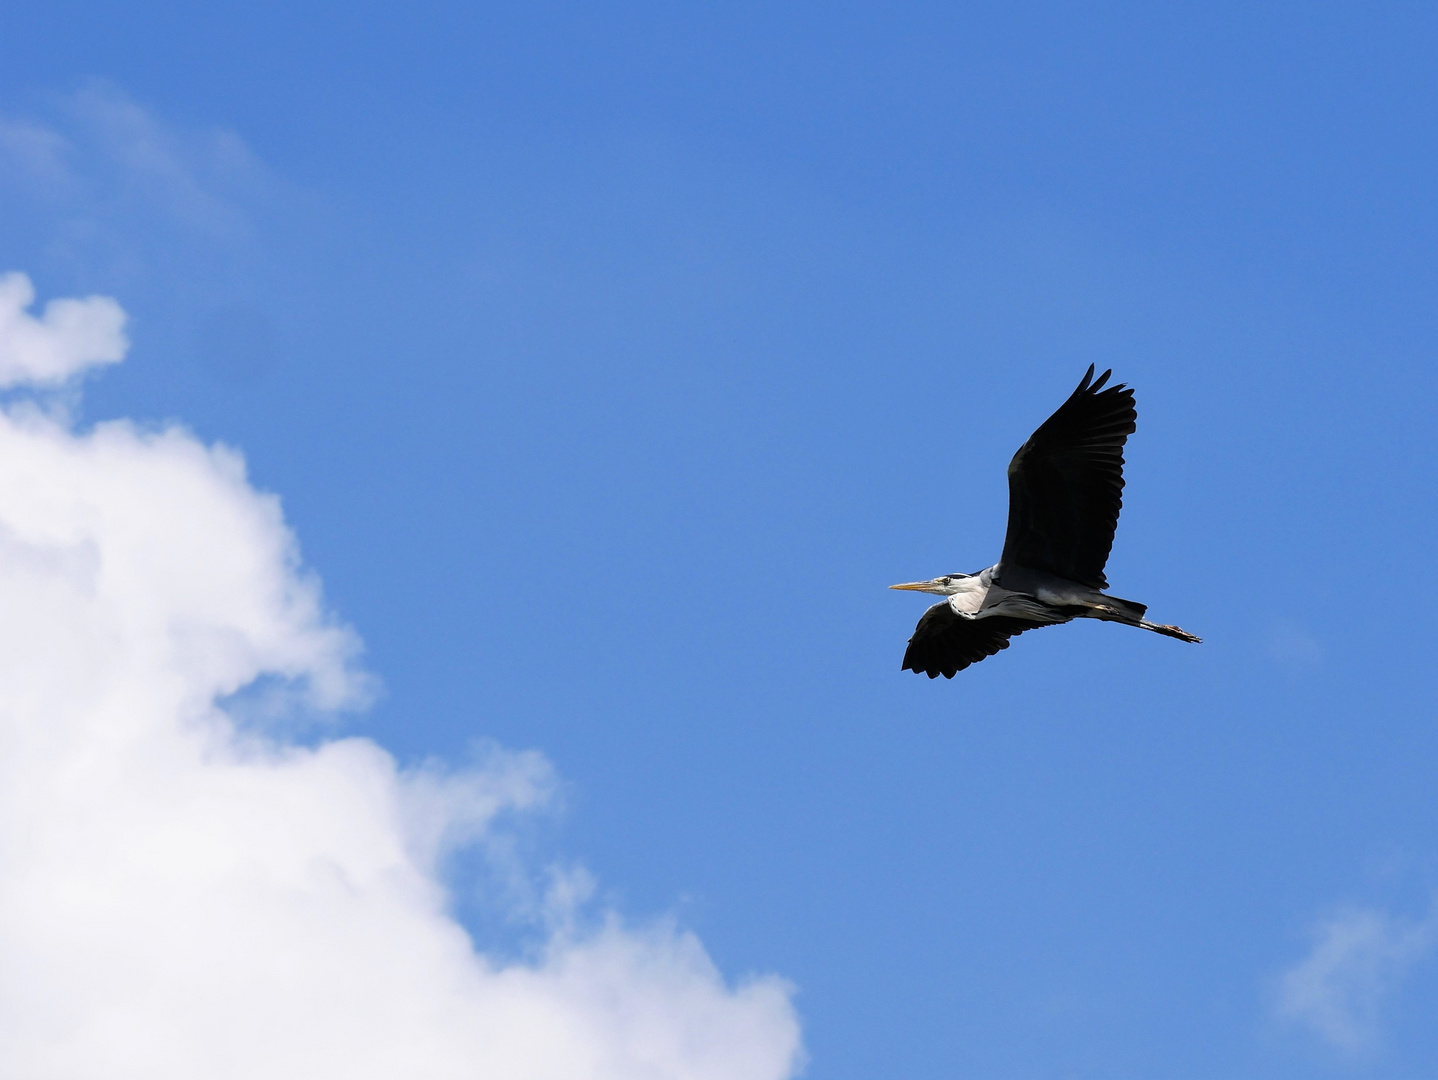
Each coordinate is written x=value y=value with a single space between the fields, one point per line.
x=944 y=642
x=1066 y=485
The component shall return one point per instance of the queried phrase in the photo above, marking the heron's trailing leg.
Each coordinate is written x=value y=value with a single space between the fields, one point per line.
x=1170 y=631
x=1131 y=614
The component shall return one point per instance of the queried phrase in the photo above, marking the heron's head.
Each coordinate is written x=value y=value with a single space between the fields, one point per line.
x=943 y=586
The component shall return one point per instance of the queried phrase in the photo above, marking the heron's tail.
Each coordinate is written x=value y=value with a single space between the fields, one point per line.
x=1128 y=607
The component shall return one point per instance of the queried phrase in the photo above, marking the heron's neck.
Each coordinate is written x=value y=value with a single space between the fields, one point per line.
x=968 y=594
x=974 y=585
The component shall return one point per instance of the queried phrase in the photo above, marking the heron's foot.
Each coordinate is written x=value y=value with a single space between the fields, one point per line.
x=1172 y=631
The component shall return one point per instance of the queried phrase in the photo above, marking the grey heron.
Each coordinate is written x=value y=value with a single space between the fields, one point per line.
x=1065 y=492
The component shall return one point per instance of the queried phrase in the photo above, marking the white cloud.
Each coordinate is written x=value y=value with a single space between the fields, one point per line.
x=1359 y=958
x=190 y=176
x=184 y=897
x=68 y=337
x=36 y=153
x=114 y=196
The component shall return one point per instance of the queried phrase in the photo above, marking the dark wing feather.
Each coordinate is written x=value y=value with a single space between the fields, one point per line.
x=1066 y=485
x=944 y=643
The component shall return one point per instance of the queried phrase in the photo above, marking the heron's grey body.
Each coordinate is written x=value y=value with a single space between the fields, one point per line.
x=1024 y=592
x=1065 y=493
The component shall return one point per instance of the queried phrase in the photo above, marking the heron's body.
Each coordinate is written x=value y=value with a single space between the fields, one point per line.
x=1032 y=593
x=1065 y=492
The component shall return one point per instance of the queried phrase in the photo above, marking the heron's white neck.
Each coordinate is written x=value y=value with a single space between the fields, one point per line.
x=970 y=593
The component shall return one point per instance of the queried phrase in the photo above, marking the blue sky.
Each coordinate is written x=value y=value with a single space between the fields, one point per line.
x=610 y=360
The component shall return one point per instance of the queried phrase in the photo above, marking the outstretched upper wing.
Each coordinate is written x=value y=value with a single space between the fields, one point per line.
x=944 y=643
x=1066 y=485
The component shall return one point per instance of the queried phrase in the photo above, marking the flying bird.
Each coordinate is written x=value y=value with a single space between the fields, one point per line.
x=1065 y=492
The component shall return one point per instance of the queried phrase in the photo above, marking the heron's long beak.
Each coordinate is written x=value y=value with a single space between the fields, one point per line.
x=916 y=586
